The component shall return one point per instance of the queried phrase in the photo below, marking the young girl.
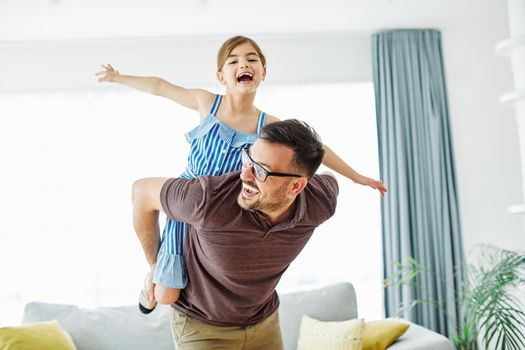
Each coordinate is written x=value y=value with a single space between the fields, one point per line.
x=228 y=124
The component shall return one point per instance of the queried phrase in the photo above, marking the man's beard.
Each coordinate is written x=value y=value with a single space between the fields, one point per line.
x=270 y=202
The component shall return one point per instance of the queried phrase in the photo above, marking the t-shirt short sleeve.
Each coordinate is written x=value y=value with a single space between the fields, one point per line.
x=184 y=200
x=330 y=188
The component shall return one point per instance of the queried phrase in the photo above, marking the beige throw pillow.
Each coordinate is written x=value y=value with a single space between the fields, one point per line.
x=319 y=335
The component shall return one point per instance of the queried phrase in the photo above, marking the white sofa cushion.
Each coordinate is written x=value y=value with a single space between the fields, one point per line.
x=107 y=328
x=417 y=337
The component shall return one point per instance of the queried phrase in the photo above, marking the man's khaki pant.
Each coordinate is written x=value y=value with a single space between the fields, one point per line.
x=191 y=334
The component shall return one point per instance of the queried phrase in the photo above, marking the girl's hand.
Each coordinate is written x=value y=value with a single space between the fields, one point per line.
x=375 y=184
x=109 y=74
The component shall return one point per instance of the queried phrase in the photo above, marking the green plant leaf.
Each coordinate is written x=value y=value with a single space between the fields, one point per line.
x=489 y=308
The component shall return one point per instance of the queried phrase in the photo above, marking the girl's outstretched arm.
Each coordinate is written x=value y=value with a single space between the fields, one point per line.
x=334 y=162
x=196 y=99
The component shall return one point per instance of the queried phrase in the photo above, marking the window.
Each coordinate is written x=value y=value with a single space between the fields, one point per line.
x=69 y=160
x=348 y=246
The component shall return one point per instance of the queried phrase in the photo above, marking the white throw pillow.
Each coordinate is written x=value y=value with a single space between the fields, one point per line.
x=333 y=335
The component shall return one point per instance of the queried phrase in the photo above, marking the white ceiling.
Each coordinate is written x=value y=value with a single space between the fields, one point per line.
x=34 y=20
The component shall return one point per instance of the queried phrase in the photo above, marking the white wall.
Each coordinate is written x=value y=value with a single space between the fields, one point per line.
x=484 y=132
x=292 y=59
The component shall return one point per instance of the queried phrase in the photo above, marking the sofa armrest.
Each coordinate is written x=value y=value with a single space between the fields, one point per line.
x=418 y=337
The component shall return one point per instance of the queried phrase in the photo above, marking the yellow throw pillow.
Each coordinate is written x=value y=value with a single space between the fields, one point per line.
x=36 y=336
x=318 y=335
x=379 y=335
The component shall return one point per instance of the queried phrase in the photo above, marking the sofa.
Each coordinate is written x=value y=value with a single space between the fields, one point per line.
x=124 y=327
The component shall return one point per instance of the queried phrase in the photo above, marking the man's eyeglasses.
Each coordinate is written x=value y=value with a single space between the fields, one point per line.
x=258 y=171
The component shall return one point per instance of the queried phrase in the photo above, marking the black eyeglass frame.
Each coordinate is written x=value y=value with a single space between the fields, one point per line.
x=253 y=164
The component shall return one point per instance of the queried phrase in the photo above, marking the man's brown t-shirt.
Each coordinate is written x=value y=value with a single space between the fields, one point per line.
x=235 y=257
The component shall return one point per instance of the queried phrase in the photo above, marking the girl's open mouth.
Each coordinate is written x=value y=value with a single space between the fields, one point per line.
x=245 y=78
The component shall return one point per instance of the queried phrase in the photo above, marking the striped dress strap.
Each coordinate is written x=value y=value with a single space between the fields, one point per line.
x=260 y=123
x=215 y=105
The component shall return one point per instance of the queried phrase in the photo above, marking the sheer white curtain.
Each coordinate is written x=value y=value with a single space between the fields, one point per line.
x=67 y=164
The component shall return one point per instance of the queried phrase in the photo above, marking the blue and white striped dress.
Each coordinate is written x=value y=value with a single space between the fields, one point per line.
x=215 y=150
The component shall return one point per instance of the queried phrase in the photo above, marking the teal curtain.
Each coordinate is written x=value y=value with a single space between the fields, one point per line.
x=420 y=214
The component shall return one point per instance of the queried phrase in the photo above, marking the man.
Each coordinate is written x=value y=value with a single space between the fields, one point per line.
x=242 y=236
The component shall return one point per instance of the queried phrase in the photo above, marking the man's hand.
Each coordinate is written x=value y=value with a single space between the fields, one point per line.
x=147 y=300
x=149 y=286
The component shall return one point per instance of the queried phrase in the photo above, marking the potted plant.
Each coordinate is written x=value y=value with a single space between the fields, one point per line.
x=491 y=311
